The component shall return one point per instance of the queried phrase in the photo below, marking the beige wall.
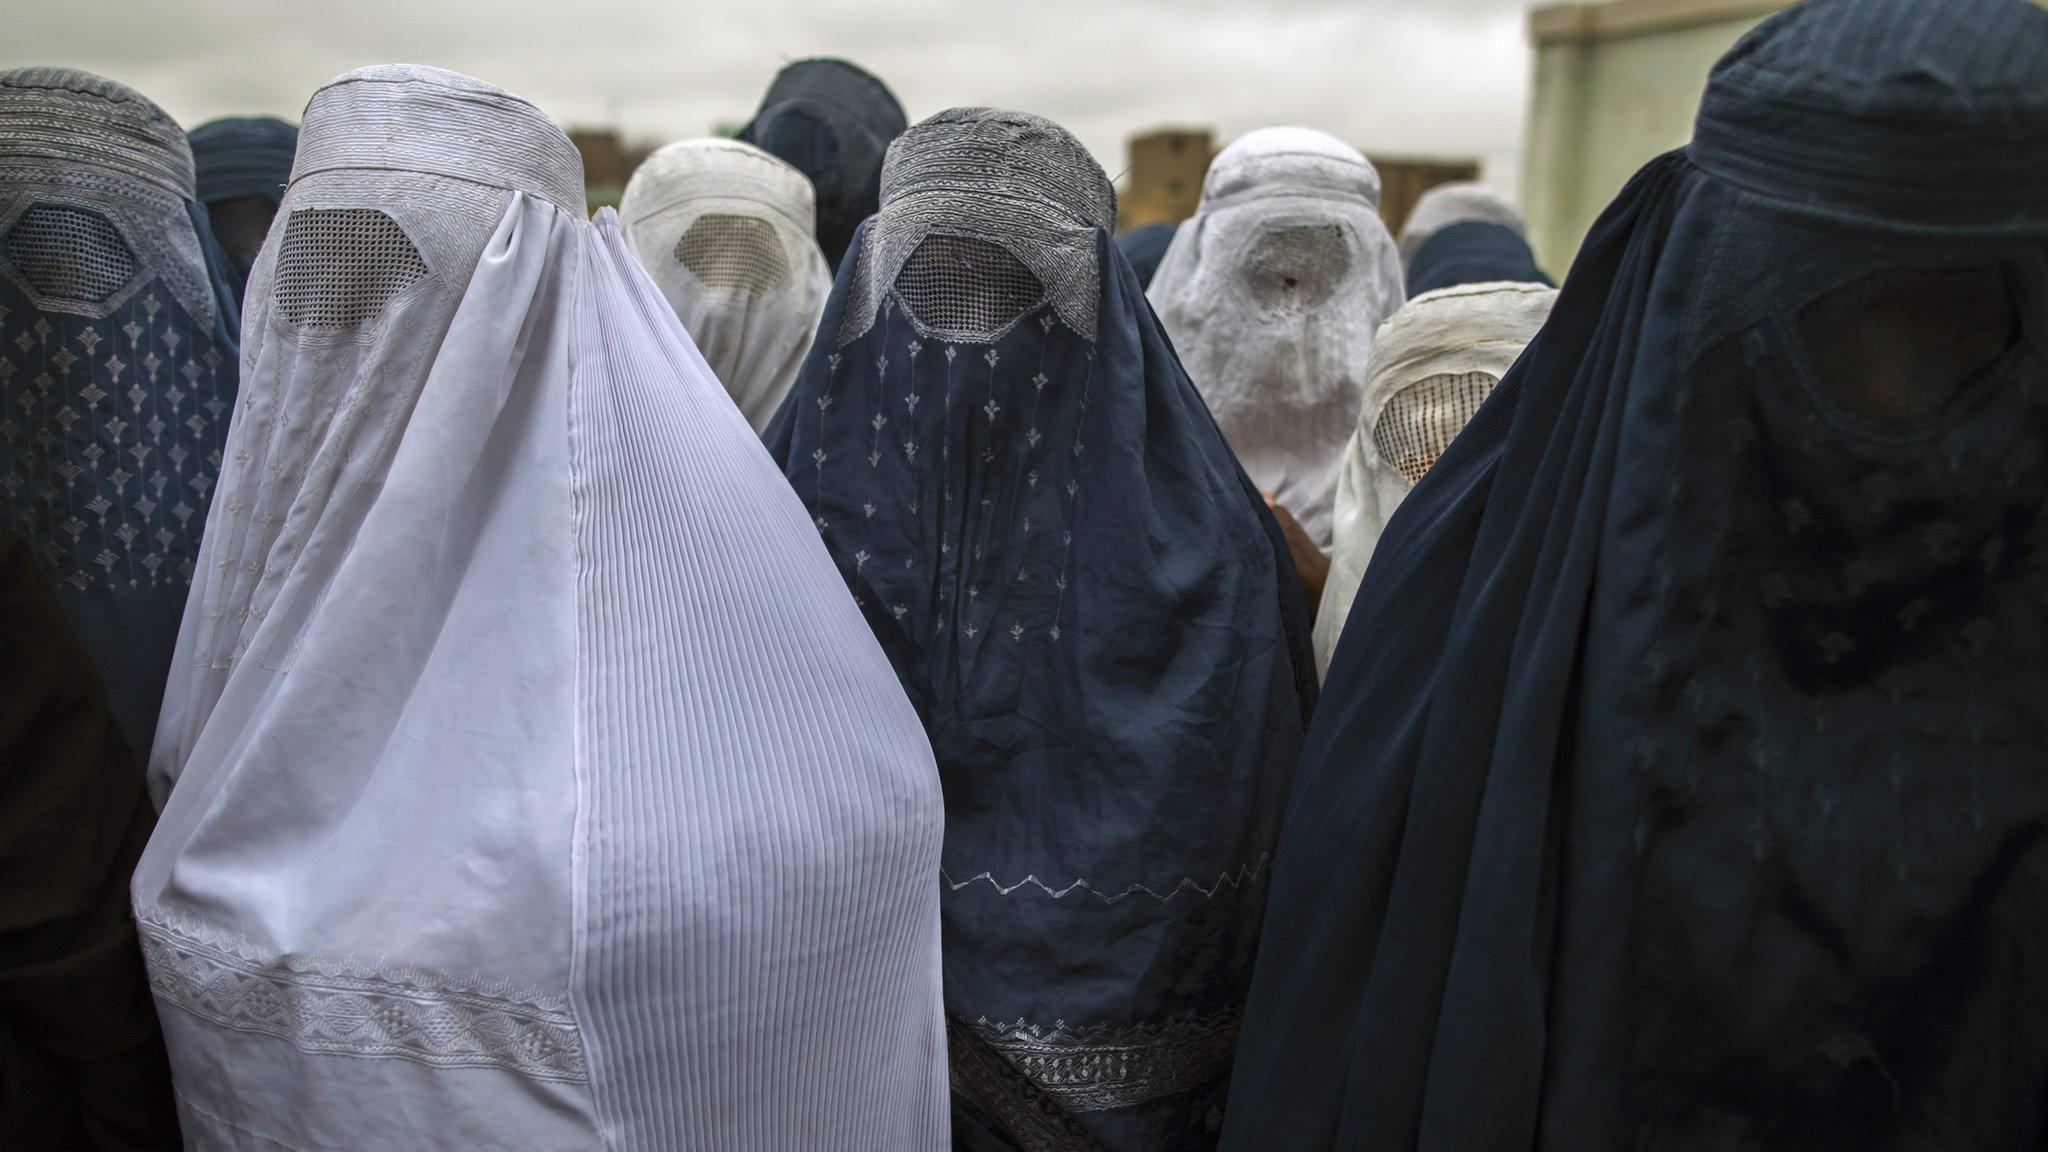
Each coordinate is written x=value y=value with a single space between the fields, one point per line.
x=1615 y=85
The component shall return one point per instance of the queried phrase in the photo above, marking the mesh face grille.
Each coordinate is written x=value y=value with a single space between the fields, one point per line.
x=958 y=284
x=1294 y=268
x=1894 y=346
x=726 y=253
x=69 y=254
x=1421 y=420
x=338 y=267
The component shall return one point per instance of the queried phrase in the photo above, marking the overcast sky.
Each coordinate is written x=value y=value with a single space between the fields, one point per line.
x=1422 y=77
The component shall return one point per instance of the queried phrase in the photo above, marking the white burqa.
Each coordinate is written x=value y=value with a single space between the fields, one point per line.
x=1432 y=365
x=533 y=781
x=726 y=230
x=1458 y=202
x=1271 y=294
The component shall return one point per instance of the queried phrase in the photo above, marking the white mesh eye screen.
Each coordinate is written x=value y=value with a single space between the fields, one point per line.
x=959 y=286
x=338 y=267
x=1294 y=268
x=1421 y=420
x=67 y=253
x=726 y=252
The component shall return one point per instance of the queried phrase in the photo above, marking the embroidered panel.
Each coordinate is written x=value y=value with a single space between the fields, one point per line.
x=1028 y=1116
x=354 y=1010
x=1093 y=1069
x=112 y=427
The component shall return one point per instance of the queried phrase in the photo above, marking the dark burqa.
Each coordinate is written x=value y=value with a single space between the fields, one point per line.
x=1144 y=247
x=81 y=1062
x=1682 y=775
x=117 y=367
x=1472 y=252
x=1089 y=606
x=832 y=121
x=242 y=164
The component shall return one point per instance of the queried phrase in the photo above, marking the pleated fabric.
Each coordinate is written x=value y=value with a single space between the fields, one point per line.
x=117 y=367
x=1272 y=293
x=1681 y=779
x=243 y=156
x=726 y=232
x=531 y=782
x=1432 y=366
x=1093 y=613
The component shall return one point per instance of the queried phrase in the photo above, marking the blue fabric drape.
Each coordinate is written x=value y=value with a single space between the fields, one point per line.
x=236 y=157
x=831 y=120
x=1145 y=246
x=1681 y=779
x=1094 y=613
x=1473 y=252
x=114 y=398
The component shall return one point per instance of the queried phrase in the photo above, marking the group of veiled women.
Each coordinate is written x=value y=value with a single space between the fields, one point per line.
x=616 y=683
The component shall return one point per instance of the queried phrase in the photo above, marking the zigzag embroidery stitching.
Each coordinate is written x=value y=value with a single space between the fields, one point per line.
x=1244 y=876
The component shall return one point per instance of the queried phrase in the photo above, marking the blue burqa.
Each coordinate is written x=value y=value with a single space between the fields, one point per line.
x=1472 y=252
x=831 y=120
x=1681 y=779
x=243 y=157
x=117 y=367
x=1145 y=246
x=1091 y=609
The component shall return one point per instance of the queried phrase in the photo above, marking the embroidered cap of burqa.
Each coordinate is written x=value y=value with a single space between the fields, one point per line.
x=532 y=783
x=1682 y=776
x=725 y=230
x=117 y=367
x=1091 y=609
x=832 y=120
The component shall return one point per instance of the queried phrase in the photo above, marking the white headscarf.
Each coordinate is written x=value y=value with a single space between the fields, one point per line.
x=726 y=230
x=1435 y=361
x=537 y=784
x=1459 y=202
x=1271 y=295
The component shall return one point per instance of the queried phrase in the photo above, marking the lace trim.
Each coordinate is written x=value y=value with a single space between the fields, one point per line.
x=1093 y=1069
x=355 y=1010
x=1245 y=875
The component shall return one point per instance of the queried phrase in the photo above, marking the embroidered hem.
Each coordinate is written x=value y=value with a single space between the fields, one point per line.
x=1095 y=1069
x=353 y=1010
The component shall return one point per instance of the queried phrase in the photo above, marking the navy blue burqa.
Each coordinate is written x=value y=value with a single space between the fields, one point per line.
x=243 y=158
x=1093 y=612
x=118 y=367
x=1145 y=246
x=1472 y=252
x=831 y=120
x=1681 y=779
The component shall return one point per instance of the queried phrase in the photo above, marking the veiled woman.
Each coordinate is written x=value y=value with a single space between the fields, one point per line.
x=1093 y=614
x=1682 y=776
